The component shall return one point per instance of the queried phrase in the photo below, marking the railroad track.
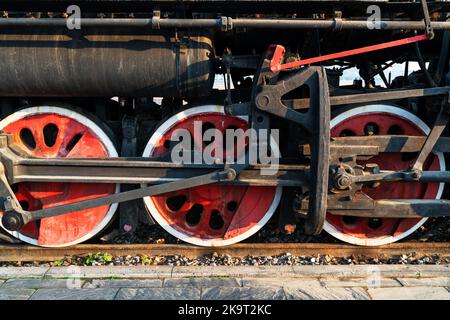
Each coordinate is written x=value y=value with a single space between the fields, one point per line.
x=31 y=253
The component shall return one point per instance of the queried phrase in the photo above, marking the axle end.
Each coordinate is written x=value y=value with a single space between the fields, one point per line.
x=12 y=221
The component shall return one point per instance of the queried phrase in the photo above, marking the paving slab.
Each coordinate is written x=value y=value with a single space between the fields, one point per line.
x=387 y=271
x=279 y=282
x=233 y=271
x=158 y=294
x=115 y=272
x=15 y=293
x=75 y=294
x=360 y=282
x=22 y=272
x=132 y=272
x=202 y=282
x=408 y=293
x=323 y=293
x=425 y=282
x=227 y=282
x=37 y=283
x=245 y=293
x=123 y=283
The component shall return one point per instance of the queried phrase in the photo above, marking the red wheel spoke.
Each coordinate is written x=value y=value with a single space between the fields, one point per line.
x=203 y=225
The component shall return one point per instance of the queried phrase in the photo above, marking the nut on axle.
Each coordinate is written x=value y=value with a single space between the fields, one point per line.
x=342 y=178
x=12 y=221
x=342 y=181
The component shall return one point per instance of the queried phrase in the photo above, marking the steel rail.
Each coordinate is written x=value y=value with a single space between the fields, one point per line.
x=223 y=23
x=28 y=253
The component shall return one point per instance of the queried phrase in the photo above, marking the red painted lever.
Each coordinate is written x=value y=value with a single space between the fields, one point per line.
x=278 y=53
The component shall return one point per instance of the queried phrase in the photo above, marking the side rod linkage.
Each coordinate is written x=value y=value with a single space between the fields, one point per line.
x=14 y=217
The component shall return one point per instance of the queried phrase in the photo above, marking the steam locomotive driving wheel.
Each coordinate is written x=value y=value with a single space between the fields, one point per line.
x=384 y=120
x=215 y=215
x=56 y=132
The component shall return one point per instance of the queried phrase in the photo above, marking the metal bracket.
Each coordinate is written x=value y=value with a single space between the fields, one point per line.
x=268 y=98
x=432 y=138
x=226 y=24
x=156 y=19
x=426 y=15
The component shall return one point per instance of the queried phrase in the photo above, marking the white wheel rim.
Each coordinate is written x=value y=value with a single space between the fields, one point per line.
x=416 y=121
x=159 y=133
x=18 y=115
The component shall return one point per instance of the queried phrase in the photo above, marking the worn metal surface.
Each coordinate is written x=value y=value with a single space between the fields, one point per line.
x=31 y=253
x=225 y=23
x=316 y=121
x=432 y=138
x=372 y=145
x=232 y=7
x=343 y=54
x=390 y=208
x=143 y=170
x=376 y=96
x=14 y=218
x=426 y=17
x=104 y=63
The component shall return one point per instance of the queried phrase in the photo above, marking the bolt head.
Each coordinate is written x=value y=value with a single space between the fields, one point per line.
x=263 y=101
